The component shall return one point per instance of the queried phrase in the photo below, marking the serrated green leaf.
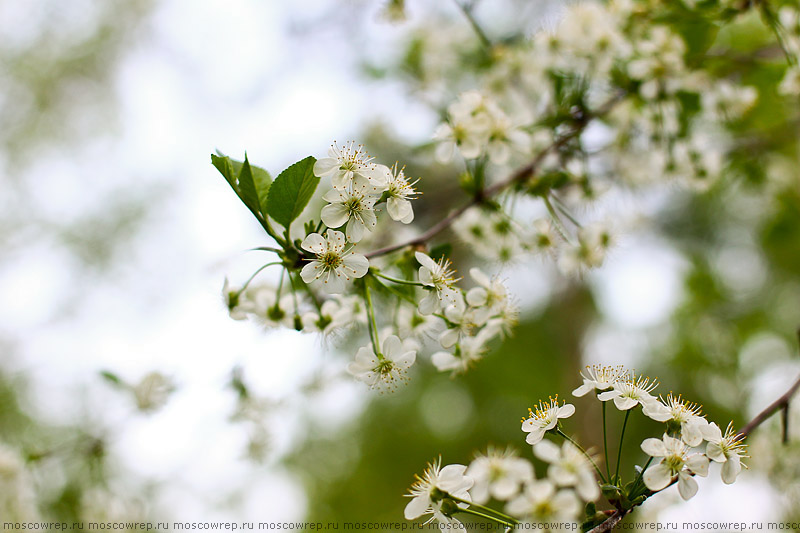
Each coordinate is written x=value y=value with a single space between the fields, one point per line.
x=291 y=191
x=250 y=183
x=248 y=188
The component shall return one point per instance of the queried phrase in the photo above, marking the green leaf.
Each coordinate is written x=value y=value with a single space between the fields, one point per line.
x=112 y=378
x=250 y=183
x=291 y=191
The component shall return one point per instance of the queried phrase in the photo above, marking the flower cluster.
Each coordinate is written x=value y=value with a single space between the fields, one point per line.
x=686 y=429
x=688 y=444
x=611 y=94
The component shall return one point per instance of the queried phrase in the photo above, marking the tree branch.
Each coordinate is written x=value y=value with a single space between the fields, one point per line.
x=781 y=403
x=518 y=176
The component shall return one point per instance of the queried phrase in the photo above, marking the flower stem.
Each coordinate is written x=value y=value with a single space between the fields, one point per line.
x=621 y=438
x=395 y=280
x=482 y=515
x=605 y=442
x=246 y=283
x=635 y=487
x=556 y=219
x=396 y=292
x=373 y=327
x=567 y=437
x=498 y=516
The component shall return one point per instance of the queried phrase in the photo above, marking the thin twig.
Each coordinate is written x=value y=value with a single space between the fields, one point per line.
x=466 y=8
x=520 y=175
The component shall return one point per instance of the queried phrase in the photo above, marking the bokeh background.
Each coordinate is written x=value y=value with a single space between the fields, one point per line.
x=117 y=233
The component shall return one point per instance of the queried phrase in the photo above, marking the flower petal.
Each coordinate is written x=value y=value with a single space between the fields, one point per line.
x=356 y=265
x=314 y=242
x=657 y=477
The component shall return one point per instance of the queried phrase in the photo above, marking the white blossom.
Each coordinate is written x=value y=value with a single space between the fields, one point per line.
x=465 y=353
x=629 y=391
x=569 y=467
x=541 y=502
x=152 y=391
x=439 y=276
x=333 y=264
x=350 y=168
x=675 y=460
x=463 y=322
x=399 y=193
x=331 y=317
x=499 y=475
x=490 y=296
x=728 y=450
x=424 y=493
x=544 y=418
x=599 y=378
x=386 y=370
x=353 y=208
x=681 y=413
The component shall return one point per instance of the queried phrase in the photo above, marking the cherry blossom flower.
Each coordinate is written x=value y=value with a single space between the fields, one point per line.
x=426 y=491
x=349 y=167
x=599 y=378
x=541 y=502
x=545 y=418
x=499 y=475
x=675 y=460
x=400 y=192
x=386 y=370
x=569 y=467
x=352 y=208
x=682 y=414
x=333 y=264
x=439 y=276
x=628 y=392
x=728 y=450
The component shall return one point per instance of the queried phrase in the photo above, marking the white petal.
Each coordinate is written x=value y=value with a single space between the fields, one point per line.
x=354 y=230
x=417 y=507
x=405 y=360
x=333 y=283
x=715 y=453
x=698 y=464
x=335 y=239
x=334 y=215
x=429 y=304
x=425 y=260
x=325 y=166
x=311 y=271
x=657 y=477
x=731 y=469
x=535 y=436
x=566 y=411
x=623 y=404
x=448 y=338
x=583 y=390
x=607 y=395
x=392 y=346
x=444 y=361
x=398 y=208
x=356 y=265
x=687 y=486
x=654 y=447
x=477 y=296
x=547 y=451
x=314 y=242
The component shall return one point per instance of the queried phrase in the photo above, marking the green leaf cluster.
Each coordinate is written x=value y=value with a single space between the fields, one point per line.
x=282 y=199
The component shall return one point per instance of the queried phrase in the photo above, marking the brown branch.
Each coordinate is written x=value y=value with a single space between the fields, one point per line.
x=781 y=403
x=518 y=176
